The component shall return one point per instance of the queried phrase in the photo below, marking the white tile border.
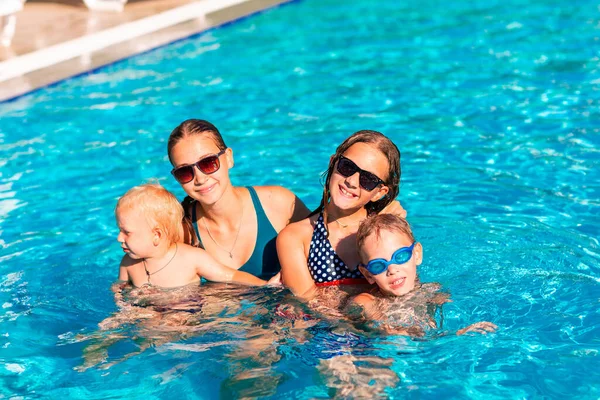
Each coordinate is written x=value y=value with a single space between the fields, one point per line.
x=86 y=45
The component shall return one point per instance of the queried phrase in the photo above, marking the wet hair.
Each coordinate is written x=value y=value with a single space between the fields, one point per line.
x=374 y=224
x=192 y=127
x=387 y=148
x=159 y=206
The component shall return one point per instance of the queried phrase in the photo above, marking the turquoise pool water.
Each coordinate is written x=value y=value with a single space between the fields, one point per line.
x=495 y=107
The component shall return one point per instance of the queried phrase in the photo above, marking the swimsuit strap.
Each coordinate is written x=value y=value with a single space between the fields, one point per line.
x=263 y=261
x=261 y=216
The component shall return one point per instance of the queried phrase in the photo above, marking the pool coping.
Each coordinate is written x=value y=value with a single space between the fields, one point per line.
x=29 y=72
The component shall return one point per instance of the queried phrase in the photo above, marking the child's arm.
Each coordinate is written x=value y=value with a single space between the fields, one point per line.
x=364 y=303
x=122 y=281
x=209 y=268
x=294 y=265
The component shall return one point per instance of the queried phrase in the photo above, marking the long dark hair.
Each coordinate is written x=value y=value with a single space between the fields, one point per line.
x=387 y=148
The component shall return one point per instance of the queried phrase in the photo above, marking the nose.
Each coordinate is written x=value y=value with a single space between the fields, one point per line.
x=393 y=269
x=120 y=237
x=199 y=176
x=352 y=180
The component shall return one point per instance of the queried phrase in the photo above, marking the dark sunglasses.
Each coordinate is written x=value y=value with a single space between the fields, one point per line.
x=207 y=165
x=366 y=179
x=380 y=265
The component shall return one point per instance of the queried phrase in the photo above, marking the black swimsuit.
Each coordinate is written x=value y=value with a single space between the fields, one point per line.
x=325 y=266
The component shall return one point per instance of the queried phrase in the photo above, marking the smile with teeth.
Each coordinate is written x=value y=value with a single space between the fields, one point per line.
x=346 y=193
x=398 y=282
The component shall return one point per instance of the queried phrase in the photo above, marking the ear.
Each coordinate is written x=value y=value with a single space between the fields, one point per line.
x=229 y=157
x=157 y=235
x=418 y=253
x=367 y=274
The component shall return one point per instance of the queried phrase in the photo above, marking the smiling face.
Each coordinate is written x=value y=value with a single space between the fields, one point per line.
x=346 y=192
x=398 y=279
x=207 y=189
x=136 y=236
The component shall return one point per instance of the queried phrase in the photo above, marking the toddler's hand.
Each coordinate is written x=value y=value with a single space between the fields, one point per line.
x=479 y=327
x=275 y=281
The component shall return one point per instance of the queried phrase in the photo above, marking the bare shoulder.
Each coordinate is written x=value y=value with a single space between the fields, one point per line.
x=186 y=252
x=360 y=305
x=126 y=262
x=298 y=230
x=364 y=299
x=281 y=205
x=274 y=194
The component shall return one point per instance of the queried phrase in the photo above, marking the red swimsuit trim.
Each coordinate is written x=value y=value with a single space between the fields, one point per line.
x=345 y=281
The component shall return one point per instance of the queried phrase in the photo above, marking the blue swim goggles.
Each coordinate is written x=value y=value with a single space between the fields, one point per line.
x=380 y=265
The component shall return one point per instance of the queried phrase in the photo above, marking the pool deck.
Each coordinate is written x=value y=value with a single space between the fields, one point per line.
x=56 y=39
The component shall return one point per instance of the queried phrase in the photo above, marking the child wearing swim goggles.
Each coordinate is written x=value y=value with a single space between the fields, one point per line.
x=151 y=235
x=389 y=257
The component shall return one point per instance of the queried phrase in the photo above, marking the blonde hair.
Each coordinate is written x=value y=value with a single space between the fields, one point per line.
x=159 y=206
x=373 y=225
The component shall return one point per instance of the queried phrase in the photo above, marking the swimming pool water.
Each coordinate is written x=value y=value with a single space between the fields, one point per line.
x=494 y=106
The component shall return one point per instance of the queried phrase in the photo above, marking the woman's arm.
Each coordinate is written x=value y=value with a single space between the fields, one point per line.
x=292 y=257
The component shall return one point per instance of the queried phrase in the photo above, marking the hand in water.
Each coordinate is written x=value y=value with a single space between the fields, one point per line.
x=275 y=281
x=479 y=327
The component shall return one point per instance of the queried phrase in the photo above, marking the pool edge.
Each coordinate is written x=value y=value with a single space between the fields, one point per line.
x=87 y=61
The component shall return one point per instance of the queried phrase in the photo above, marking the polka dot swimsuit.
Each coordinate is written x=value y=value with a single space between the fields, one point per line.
x=324 y=264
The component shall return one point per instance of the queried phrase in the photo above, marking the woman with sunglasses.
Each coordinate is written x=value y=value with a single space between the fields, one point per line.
x=236 y=225
x=362 y=179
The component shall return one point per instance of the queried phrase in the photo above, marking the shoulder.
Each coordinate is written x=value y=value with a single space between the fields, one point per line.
x=280 y=205
x=275 y=196
x=186 y=251
x=360 y=305
x=364 y=299
x=301 y=229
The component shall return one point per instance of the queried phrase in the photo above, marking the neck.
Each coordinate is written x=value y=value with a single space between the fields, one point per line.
x=346 y=217
x=162 y=252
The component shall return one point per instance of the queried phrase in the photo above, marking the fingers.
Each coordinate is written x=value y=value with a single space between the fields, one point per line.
x=479 y=327
x=275 y=281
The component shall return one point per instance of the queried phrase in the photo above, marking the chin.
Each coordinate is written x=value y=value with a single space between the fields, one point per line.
x=397 y=292
x=344 y=203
